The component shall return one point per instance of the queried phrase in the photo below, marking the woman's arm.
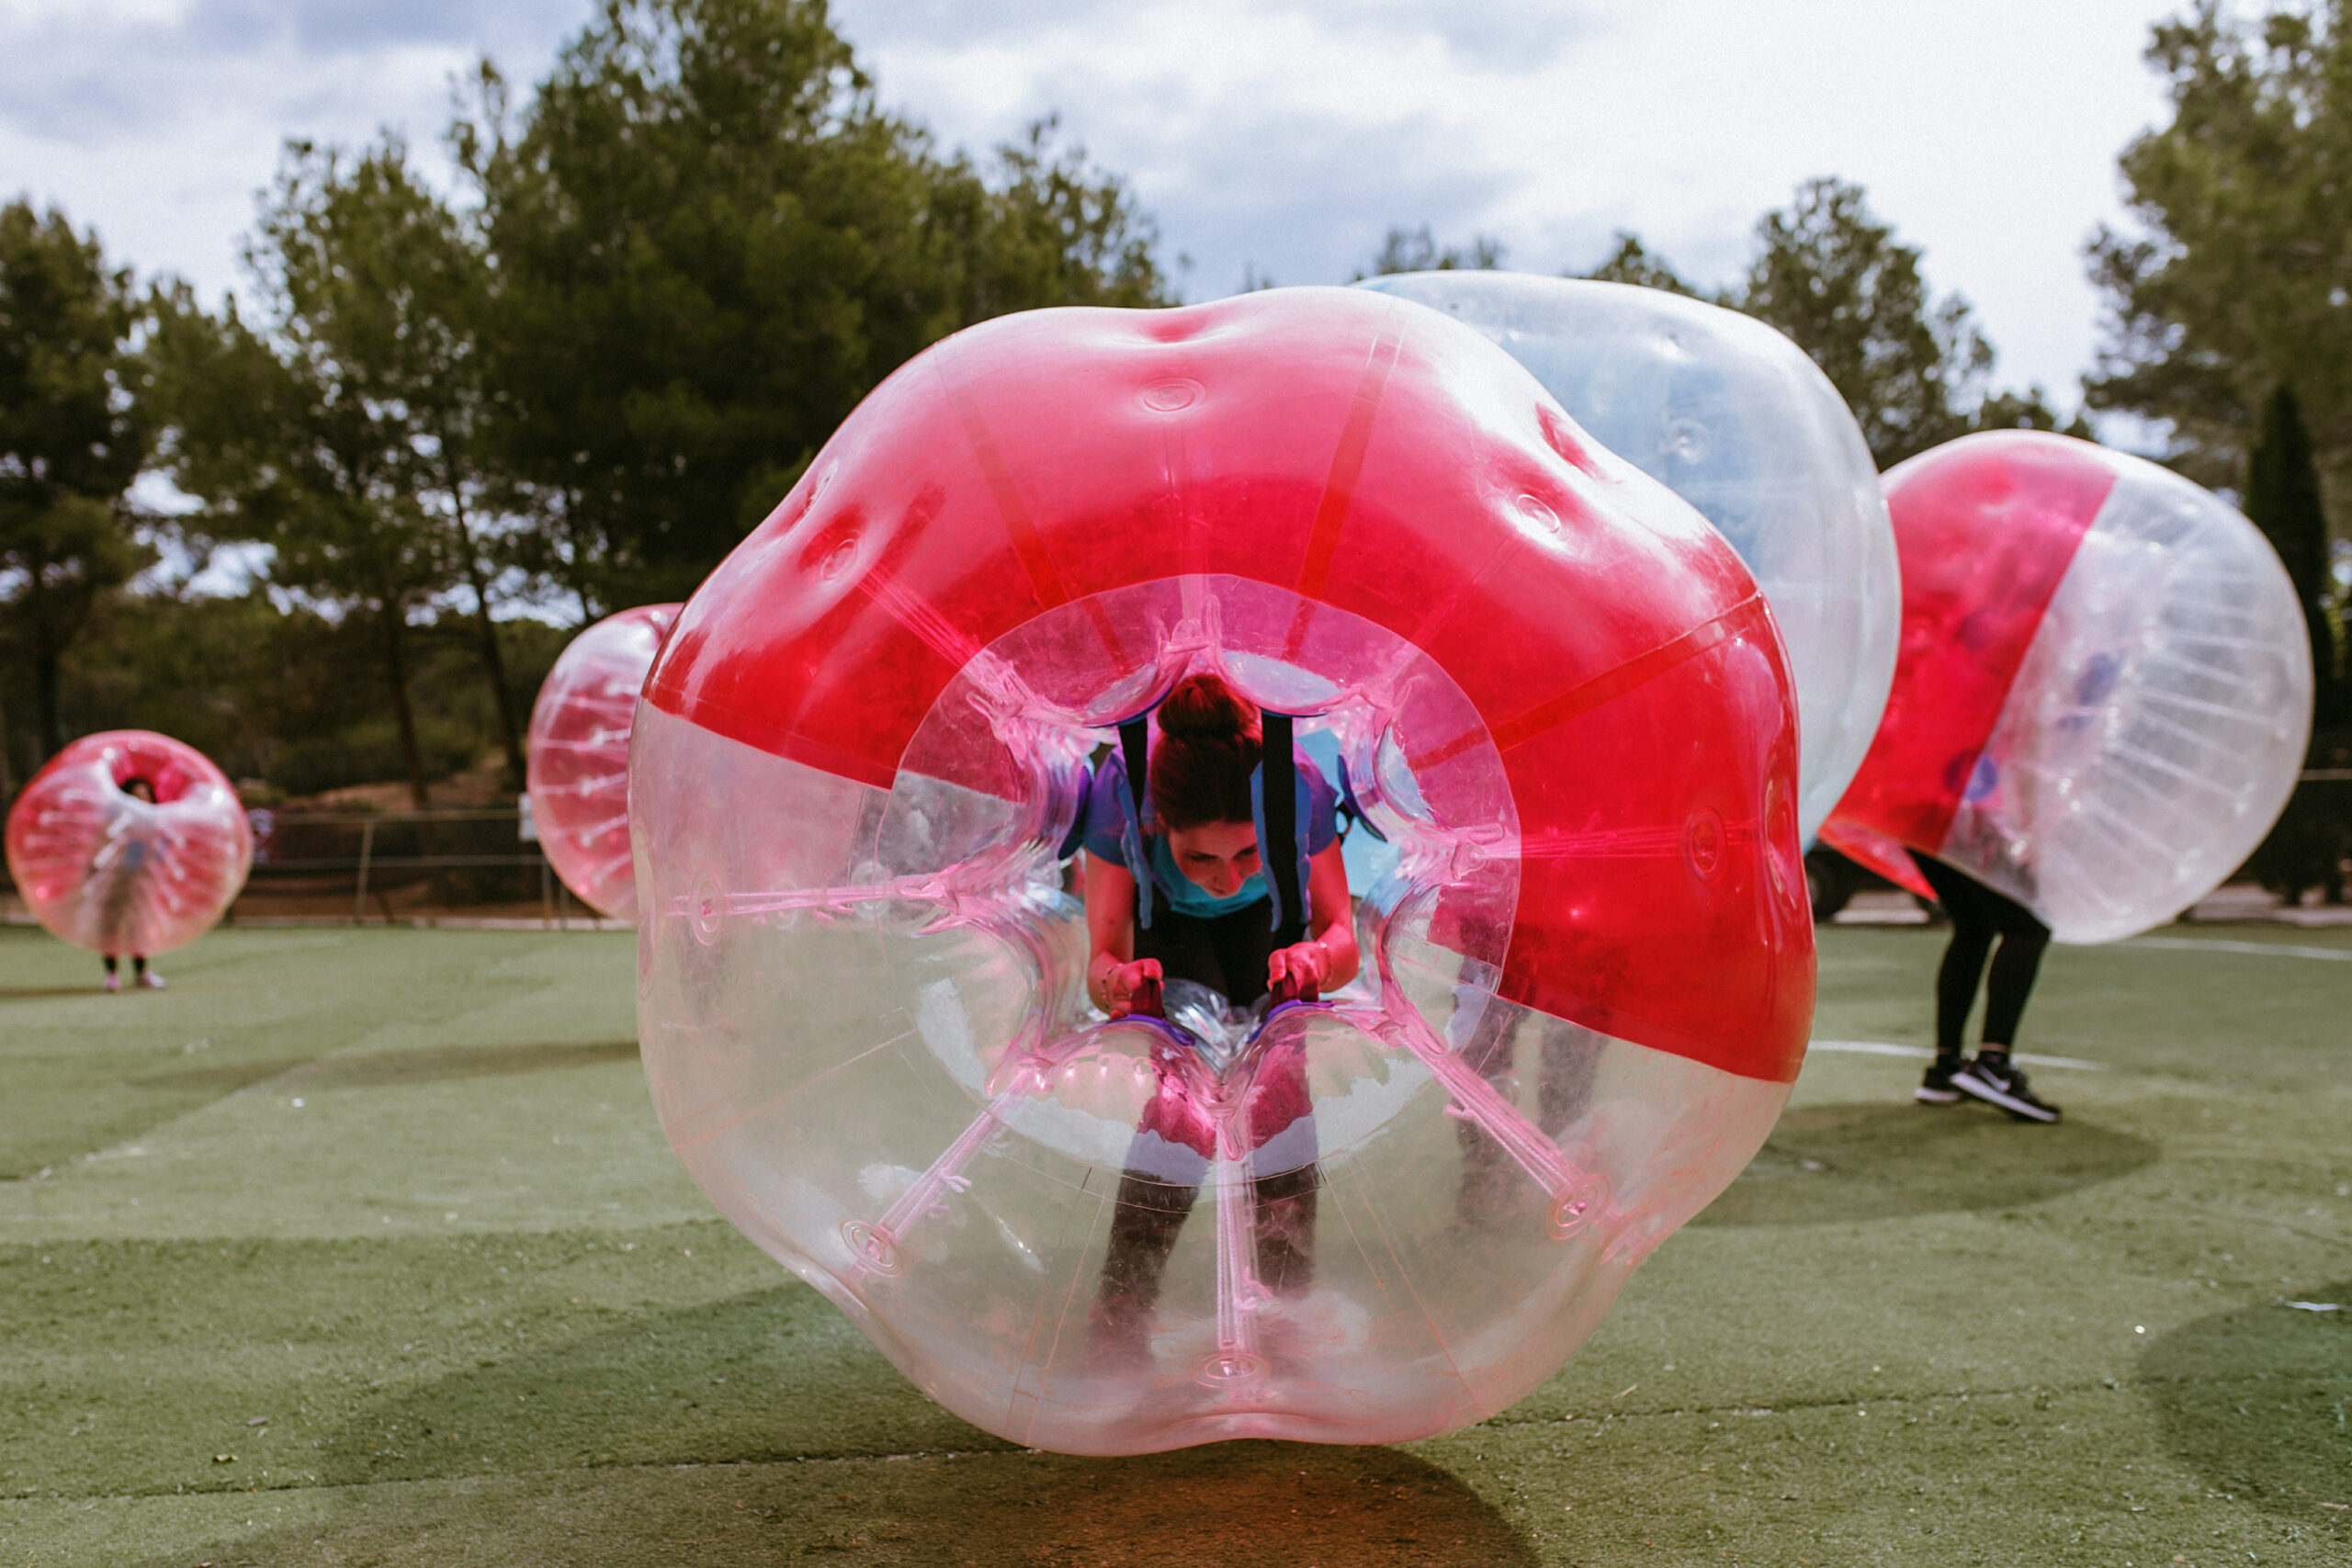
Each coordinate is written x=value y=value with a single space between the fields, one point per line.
x=1328 y=959
x=1114 y=975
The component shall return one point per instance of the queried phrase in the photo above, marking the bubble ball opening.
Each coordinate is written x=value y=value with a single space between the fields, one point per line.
x=1394 y=1212
x=2104 y=695
x=106 y=871
x=578 y=778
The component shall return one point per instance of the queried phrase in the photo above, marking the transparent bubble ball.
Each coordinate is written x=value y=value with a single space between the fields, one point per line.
x=1587 y=979
x=1736 y=420
x=2105 y=689
x=110 y=872
x=579 y=768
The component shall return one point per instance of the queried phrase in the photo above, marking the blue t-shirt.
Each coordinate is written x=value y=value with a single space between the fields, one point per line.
x=1105 y=815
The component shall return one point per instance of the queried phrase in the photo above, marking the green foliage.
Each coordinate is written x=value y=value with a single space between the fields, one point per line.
x=2238 y=288
x=711 y=243
x=284 y=696
x=70 y=442
x=2028 y=410
x=305 y=430
x=1835 y=279
x=1416 y=250
x=351 y=447
x=2239 y=282
x=1633 y=262
x=364 y=752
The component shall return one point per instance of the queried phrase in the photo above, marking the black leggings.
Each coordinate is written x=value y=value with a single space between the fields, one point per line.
x=1978 y=916
x=1227 y=953
x=1567 y=1059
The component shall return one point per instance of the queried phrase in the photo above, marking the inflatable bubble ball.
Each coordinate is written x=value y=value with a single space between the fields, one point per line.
x=2104 y=688
x=1735 y=419
x=107 y=870
x=853 y=779
x=579 y=768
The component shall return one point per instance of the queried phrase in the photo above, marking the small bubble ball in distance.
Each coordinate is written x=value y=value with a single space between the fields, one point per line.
x=2105 y=690
x=108 y=871
x=1736 y=420
x=579 y=768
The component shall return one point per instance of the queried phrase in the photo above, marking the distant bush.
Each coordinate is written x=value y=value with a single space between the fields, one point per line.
x=2311 y=844
x=368 y=753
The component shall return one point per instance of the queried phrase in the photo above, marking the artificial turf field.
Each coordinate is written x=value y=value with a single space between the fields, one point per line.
x=362 y=1247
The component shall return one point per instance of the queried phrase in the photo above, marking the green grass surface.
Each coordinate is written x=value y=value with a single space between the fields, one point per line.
x=360 y=1248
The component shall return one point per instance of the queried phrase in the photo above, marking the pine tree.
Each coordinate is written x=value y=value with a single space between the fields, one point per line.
x=2282 y=497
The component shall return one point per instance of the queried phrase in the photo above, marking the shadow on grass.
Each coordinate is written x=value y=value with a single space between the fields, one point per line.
x=773 y=1374
x=382 y=1069
x=762 y=1427
x=44 y=993
x=1876 y=1160
x=40 y=1138
x=2258 y=1403
x=1249 y=1505
x=198 y=1086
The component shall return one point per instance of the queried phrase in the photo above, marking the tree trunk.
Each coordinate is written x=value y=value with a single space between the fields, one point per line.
x=395 y=627
x=510 y=733
x=8 y=754
x=47 y=672
x=591 y=606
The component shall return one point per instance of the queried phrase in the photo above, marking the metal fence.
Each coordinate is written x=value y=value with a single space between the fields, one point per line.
x=391 y=865
x=485 y=862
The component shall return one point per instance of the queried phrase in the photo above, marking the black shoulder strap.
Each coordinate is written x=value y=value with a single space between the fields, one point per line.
x=1135 y=751
x=1279 y=785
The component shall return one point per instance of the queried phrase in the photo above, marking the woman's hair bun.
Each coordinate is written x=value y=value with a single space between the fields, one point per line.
x=1209 y=744
x=1203 y=708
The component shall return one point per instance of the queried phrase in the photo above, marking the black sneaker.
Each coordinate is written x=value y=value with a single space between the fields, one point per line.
x=1935 y=1089
x=1995 y=1081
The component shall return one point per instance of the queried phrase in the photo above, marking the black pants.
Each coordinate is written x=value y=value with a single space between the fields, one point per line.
x=1227 y=953
x=1567 y=1059
x=1978 y=916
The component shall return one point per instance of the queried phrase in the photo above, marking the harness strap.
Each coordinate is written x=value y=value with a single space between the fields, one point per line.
x=1278 y=851
x=1135 y=750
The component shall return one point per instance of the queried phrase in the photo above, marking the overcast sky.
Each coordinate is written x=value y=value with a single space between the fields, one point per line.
x=1284 y=135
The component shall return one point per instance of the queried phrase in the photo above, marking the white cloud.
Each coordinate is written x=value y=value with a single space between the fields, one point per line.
x=1289 y=135
x=1283 y=135
x=156 y=122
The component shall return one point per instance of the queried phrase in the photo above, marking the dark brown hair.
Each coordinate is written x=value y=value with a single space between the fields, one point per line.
x=1209 y=745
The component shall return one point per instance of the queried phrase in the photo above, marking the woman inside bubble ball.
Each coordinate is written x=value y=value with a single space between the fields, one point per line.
x=120 y=862
x=1210 y=921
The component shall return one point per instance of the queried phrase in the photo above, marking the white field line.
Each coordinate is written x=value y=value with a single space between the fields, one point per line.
x=2216 y=944
x=1879 y=1048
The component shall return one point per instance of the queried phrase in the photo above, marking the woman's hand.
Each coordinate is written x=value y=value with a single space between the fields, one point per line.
x=1298 y=973
x=1131 y=987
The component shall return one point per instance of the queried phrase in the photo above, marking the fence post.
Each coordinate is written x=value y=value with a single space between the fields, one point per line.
x=367 y=853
